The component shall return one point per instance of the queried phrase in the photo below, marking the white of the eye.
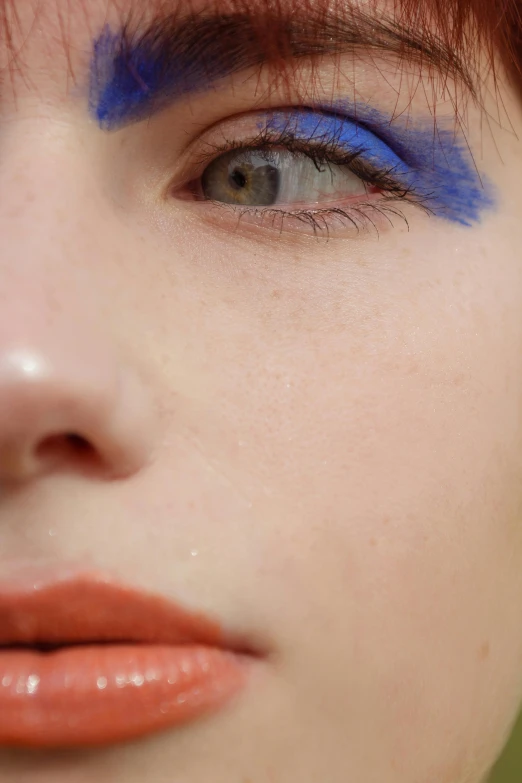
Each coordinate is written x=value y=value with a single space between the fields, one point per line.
x=303 y=183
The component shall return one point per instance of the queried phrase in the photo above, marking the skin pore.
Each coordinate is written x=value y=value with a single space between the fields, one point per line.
x=305 y=427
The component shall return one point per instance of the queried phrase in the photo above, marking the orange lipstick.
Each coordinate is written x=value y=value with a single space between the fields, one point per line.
x=85 y=662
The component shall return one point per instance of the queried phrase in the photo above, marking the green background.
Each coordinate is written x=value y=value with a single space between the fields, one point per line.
x=509 y=767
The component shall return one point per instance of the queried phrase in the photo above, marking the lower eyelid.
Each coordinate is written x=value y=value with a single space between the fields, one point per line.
x=339 y=221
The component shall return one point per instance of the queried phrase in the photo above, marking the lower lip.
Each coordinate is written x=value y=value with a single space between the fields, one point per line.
x=101 y=694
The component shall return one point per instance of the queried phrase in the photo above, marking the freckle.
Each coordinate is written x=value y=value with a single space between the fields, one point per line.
x=484 y=651
x=459 y=379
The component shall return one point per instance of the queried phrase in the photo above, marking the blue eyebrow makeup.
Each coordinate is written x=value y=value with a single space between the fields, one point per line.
x=434 y=165
x=132 y=76
x=125 y=81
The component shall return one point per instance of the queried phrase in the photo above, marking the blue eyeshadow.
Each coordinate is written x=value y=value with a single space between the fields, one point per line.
x=434 y=165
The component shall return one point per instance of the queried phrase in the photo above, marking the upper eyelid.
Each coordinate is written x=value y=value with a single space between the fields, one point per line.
x=309 y=125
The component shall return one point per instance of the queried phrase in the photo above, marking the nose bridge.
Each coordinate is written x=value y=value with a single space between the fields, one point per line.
x=67 y=397
x=46 y=183
x=48 y=309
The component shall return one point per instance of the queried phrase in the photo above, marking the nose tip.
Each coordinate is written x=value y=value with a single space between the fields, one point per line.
x=77 y=416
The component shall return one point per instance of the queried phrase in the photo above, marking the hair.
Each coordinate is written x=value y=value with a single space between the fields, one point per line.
x=473 y=31
x=490 y=26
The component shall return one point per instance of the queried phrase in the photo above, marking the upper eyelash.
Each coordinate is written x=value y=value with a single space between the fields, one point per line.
x=320 y=151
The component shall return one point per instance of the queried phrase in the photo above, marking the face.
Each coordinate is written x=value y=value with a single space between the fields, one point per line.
x=262 y=358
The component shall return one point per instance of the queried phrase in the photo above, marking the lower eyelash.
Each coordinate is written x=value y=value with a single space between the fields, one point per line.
x=359 y=218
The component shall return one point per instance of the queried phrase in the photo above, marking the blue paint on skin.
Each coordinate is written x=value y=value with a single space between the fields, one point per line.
x=121 y=82
x=435 y=166
x=129 y=83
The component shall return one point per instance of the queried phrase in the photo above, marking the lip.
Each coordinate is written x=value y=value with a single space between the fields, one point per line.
x=86 y=661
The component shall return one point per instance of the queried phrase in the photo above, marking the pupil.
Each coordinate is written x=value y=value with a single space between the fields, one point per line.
x=238 y=180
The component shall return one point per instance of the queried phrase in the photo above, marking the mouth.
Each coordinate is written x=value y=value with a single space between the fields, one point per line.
x=86 y=661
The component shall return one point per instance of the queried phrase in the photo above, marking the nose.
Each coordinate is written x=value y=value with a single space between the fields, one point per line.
x=68 y=411
x=73 y=392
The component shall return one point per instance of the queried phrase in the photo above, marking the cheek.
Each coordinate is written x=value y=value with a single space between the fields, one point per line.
x=358 y=455
x=390 y=465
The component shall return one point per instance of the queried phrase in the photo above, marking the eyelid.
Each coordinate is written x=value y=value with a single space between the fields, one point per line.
x=432 y=165
x=333 y=134
x=343 y=132
x=324 y=138
x=327 y=140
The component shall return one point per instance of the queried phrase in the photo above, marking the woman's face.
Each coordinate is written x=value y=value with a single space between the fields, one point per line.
x=303 y=423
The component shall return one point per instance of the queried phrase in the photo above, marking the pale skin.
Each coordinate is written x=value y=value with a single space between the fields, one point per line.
x=320 y=441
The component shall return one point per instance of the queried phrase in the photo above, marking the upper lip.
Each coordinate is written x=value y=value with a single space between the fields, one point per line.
x=92 y=608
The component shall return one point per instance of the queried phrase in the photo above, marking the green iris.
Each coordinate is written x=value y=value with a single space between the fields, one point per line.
x=246 y=178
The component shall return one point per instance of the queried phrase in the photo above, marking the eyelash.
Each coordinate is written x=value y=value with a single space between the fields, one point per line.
x=322 y=152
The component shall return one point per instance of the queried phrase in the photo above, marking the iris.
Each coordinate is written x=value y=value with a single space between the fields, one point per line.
x=244 y=178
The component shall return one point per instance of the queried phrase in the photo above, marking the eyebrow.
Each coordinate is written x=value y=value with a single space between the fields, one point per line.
x=137 y=71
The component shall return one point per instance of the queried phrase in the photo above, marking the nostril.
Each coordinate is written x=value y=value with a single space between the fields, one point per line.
x=78 y=443
x=68 y=448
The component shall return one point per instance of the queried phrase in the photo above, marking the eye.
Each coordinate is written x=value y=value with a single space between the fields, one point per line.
x=271 y=177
